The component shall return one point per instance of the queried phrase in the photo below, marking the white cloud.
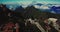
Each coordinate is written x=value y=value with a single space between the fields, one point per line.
x=24 y=6
x=36 y=6
x=41 y=7
x=44 y=7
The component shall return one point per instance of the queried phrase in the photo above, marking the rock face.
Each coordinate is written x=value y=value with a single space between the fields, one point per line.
x=24 y=13
x=3 y=13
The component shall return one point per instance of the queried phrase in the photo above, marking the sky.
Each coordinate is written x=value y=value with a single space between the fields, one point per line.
x=30 y=1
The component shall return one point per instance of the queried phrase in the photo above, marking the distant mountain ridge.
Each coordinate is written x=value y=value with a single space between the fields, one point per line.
x=42 y=7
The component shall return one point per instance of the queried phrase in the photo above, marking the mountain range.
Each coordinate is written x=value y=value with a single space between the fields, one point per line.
x=52 y=8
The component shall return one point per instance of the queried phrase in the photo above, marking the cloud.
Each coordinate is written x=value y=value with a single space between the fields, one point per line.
x=37 y=6
x=44 y=7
